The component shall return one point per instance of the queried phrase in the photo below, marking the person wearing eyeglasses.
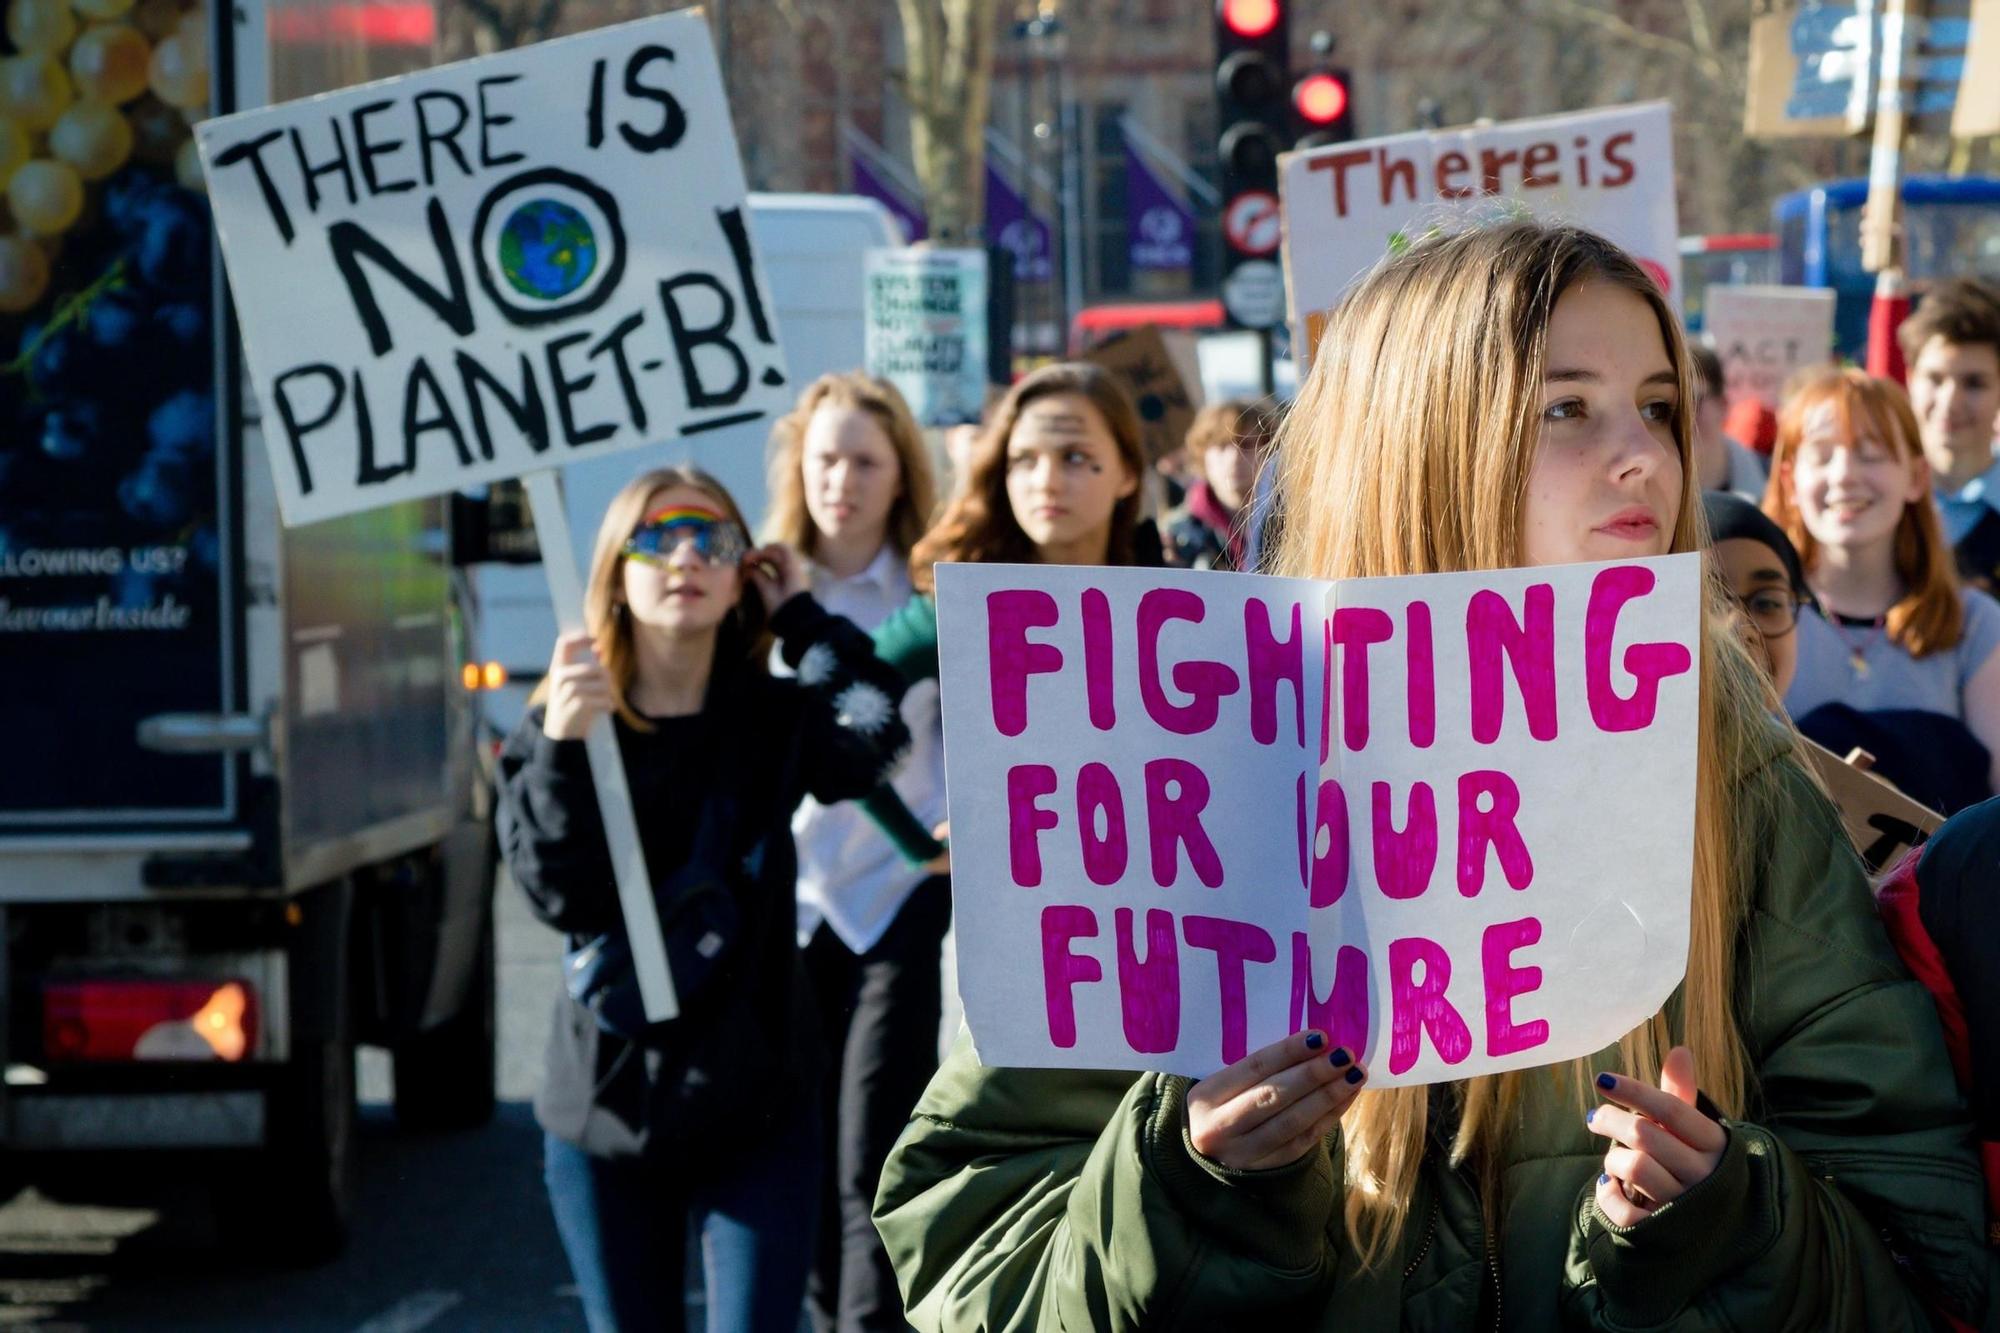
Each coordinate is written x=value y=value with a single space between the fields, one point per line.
x=1759 y=568
x=709 y=1120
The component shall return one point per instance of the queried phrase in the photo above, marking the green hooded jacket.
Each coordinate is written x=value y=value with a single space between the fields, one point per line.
x=1848 y=1199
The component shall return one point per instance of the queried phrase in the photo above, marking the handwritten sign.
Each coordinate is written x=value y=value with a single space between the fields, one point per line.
x=1142 y=361
x=1347 y=205
x=493 y=267
x=926 y=330
x=1448 y=820
x=1765 y=335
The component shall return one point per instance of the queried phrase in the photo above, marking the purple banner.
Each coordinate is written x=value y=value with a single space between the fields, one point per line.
x=878 y=186
x=1013 y=226
x=1159 y=225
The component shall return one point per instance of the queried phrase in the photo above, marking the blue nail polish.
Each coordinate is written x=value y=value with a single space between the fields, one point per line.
x=1340 y=1059
x=1314 y=1041
x=1590 y=1115
x=1603 y=1179
x=1355 y=1075
x=1607 y=1081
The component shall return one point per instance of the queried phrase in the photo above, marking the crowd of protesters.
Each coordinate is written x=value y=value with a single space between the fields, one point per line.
x=1786 y=1145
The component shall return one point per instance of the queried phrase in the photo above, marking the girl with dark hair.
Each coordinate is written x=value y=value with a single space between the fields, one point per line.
x=712 y=1118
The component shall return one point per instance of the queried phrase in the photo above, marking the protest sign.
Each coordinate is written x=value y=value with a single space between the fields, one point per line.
x=487 y=270
x=1881 y=822
x=464 y=275
x=1765 y=335
x=1347 y=205
x=927 y=330
x=1141 y=360
x=1190 y=815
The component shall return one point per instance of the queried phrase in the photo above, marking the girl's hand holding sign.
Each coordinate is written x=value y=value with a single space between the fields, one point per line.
x=579 y=689
x=1271 y=1107
x=1663 y=1146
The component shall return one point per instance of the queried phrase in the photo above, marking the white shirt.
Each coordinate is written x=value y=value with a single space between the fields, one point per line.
x=850 y=875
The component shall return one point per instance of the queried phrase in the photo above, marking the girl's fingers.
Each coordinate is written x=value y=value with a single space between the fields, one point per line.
x=1611 y=1201
x=1651 y=1139
x=1329 y=1094
x=1261 y=1064
x=1688 y=1125
x=1643 y=1174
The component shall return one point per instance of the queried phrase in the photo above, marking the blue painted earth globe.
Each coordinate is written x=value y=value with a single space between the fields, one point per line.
x=547 y=249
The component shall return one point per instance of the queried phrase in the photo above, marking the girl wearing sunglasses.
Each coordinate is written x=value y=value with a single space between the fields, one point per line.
x=711 y=1119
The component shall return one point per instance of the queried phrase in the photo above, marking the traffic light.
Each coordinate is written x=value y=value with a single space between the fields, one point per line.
x=1251 y=76
x=1323 y=105
x=1252 y=87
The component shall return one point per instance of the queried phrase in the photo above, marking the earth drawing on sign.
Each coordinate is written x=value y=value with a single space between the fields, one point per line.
x=547 y=249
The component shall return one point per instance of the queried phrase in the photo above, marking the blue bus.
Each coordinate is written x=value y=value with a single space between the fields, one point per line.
x=1952 y=226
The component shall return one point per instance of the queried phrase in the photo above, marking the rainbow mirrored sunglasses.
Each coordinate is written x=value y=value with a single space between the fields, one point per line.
x=715 y=538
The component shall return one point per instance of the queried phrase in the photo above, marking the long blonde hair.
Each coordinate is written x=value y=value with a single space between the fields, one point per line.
x=744 y=640
x=916 y=500
x=1408 y=452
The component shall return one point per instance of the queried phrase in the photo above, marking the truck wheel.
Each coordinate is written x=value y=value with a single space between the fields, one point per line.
x=444 y=1077
x=293 y=1204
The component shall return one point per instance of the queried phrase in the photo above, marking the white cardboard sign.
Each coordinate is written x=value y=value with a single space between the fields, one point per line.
x=1765 y=335
x=927 y=330
x=1449 y=819
x=493 y=267
x=1347 y=205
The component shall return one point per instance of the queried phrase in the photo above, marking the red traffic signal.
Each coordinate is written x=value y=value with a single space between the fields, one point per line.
x=1321 y=98
x=1249 y=18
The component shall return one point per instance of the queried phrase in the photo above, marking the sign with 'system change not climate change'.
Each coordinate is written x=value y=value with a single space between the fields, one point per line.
x=1348 y=205
x=493 y=268
x=1448 y=820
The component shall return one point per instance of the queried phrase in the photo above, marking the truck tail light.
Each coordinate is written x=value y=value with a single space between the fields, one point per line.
x=87 y=1021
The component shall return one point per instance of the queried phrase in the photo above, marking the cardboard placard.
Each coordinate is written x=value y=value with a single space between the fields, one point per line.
x=927 y=330
x=1882 y=823
x=467 y=274
x=1765 y=335
x=1190 y=815
x=1147 y=367
x=1349 y=204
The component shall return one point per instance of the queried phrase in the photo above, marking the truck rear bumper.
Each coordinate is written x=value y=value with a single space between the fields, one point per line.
x=68 y=1121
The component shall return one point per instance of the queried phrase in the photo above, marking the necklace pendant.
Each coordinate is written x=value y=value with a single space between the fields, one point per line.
x=1860 y=664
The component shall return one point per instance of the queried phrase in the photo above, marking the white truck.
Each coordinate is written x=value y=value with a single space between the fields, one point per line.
x=812 y=249
x=243 y=823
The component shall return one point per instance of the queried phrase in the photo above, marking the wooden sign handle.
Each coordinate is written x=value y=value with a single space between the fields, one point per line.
x=607 y=766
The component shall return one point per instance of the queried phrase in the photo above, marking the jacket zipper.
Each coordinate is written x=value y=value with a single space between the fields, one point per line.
x=1430 y=1232
x=1493 y=1269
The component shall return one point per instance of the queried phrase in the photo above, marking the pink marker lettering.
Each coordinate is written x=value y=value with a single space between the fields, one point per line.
x=1011 y=658
x=1343 y=1014
x=1272 y=660
x=1491 y=632
x=1150 y=992
x=1062 y=970
x=1104 y=858
x=1490 y=825
x=1356 y=629
x=1329 y=867
x=1419 y=1008
x=1026 y=785
x=1421 y=664
x=1098 y=683
x=1648 y=663
x=1405 y=858
x=1234 y=944
x=1173 y=817
x=1208 y=682
x=1504 y=981
x=1326 y=691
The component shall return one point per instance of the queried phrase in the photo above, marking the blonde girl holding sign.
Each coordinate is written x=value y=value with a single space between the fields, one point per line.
x=1510 y=396
x=710 y=1119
